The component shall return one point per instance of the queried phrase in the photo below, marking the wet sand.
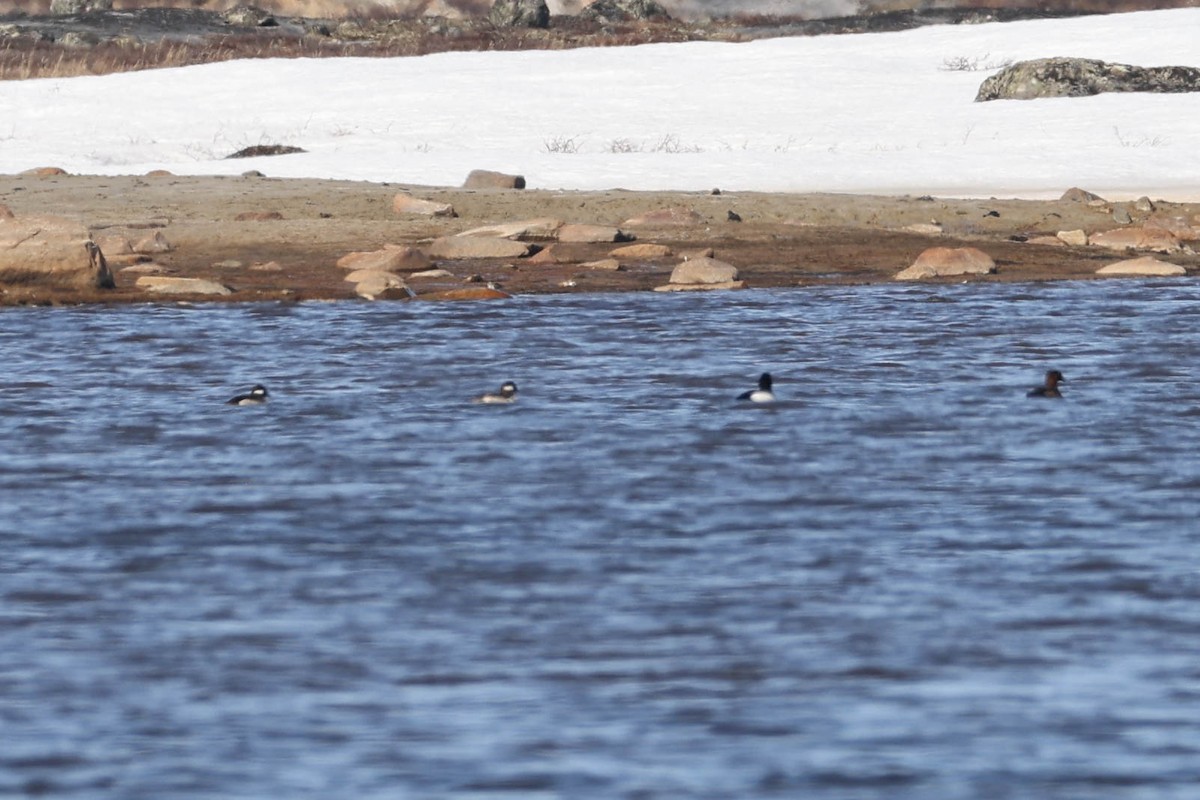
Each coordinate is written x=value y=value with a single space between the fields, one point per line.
x=782 y=240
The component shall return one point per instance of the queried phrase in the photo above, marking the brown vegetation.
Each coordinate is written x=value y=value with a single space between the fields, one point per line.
x=26 y=57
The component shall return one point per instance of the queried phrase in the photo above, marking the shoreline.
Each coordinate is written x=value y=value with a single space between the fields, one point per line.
x=280 y=239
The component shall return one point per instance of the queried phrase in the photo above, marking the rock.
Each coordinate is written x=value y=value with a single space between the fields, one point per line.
x=486 y=179
x=392 y=258
x=155 y=243
x=1121 y=215
x=1082 y=77
x=552 y=254
x=1076 y=238
x=1077 y=195
x=520 y=14
x=258 y=216
x=431 y=273
x=1145 y=205
x=360 y=275
x=407 y=204
x=78 y=39
x=68 y=7
x=373 y=283
x=454 y=247
x=924 y=228
x=45 y=172
x=51 y=251
x=940 y=261
x=147 y=268
x=694 y=287
x=261 y=150
x=594 y=234
x=1136 y=239
x=249 y=17
x=1177 y=226
x=1146 y=265
x=641 y=252
x=539 y=229
x=475 y=293
x=160 y=173
x=703 y=252
x=609 y=264
x=704 y=270
x=679 y=215
x=161 y=285
x=268 y=266
x=114 y=246
x=6 y=212
x=625 y=11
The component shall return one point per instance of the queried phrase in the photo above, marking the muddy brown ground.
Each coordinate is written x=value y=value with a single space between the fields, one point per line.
x=783 y=240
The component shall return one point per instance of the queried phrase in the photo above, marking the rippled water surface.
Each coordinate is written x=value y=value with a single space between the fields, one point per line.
x=903 y=580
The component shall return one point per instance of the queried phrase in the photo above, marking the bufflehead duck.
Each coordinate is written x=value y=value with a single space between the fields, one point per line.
x=507 y=394
x=256 y=396
x=1050 y=387
x=763 y=393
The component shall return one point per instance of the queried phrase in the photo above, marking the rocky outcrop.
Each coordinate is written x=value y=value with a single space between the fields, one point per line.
x=537 y=229
x=1146 y=266
x=520 y=14
x=624 y=11
x=163 y=285
x=577 y=233
x=641 y=252
x=1077 y=195
x=704 y=271
x=1158 y=240
x=937 y=262
x=374 y=283
x=1082 y=77
x=455 y=247
x=392 y=258
x=66 y=7
x=1075 y=238
x=244 y=16
x=53 y=252
x=474 y=293
x=606 y=264
x=407 y=204
x=1177 y=226
x=486 y=179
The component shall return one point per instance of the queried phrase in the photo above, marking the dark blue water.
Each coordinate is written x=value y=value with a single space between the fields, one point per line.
x=904 y=580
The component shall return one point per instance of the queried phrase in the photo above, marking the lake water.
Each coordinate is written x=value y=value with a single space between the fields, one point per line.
x=903 y=580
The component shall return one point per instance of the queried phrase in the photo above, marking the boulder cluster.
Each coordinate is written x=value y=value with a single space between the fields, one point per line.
x=1158 y=233
x=1082 y=77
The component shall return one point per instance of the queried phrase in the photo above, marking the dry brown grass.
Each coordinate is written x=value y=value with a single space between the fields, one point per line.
x=23 y=58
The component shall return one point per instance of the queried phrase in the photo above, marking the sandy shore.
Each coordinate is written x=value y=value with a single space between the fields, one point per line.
x=304 y=226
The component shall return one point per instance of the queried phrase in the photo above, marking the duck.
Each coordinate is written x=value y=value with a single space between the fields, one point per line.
x=763 y=393
x=507 y=394
x=254 y=397
x=1050 y=387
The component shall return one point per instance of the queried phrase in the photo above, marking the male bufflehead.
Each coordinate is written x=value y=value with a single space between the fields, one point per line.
x=762 y=394
x=1050 y=387
x=507 y=394
x=256 y=396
